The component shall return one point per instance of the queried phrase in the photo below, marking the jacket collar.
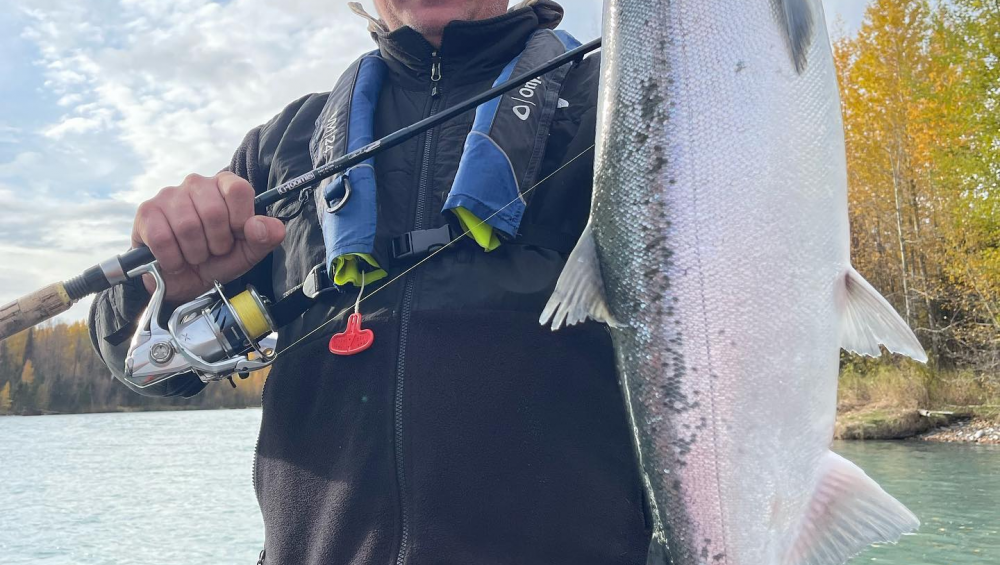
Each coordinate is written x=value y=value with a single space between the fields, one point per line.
x=471 y=51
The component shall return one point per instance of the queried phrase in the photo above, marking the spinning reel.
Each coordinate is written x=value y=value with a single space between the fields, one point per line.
x=214 y=336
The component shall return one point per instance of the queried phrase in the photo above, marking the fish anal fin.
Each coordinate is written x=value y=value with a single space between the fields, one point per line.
x=848 y=512
x=868 y=320
x=579 y=293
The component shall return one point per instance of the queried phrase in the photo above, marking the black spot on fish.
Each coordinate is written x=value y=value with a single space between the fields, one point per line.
x=652 y=100
x=718 y=557
x=659 y=160
x=655 y=242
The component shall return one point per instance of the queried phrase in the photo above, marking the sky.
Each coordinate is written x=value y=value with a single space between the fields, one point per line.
x=103 y=102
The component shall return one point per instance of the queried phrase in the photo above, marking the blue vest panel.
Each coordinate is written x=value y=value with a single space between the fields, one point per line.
x=500 y=159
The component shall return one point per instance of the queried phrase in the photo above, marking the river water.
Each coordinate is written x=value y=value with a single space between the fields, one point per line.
x=174 y=488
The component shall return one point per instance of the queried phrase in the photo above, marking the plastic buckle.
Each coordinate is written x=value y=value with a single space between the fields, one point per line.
x=420 y=243
x=317 y=281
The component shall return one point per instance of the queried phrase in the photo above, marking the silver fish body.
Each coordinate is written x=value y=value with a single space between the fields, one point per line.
x=718 y=251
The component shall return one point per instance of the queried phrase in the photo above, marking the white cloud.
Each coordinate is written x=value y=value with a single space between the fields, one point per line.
x=74 y=125
x=181 y=82
x=9 y=134
x=47 y=238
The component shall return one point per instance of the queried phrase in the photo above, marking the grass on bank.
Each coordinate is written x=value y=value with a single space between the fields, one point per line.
x=878 y=400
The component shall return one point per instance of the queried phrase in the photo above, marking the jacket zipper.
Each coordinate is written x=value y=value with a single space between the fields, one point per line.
x=256 y=443
x=404 y=317
x=253 y=469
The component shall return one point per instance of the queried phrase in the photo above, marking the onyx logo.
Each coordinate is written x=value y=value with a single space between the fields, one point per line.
x=329 y=136
x=527 y=92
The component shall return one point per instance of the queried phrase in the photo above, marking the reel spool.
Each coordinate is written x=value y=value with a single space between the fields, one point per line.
x=213 y=335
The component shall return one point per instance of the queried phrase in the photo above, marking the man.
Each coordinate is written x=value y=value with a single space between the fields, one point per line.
x=467 y=433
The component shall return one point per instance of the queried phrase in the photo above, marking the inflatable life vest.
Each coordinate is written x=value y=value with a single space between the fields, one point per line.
x=500 y=158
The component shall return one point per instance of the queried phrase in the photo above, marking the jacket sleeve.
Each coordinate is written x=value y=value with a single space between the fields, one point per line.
x=116 y=311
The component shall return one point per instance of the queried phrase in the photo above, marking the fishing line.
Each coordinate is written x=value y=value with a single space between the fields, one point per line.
x=362 y=298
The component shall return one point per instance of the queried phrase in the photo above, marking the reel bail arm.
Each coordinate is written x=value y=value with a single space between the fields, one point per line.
x=213 y=336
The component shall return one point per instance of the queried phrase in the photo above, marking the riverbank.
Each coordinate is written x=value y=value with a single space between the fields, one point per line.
x=966 y=431
x=880 y=402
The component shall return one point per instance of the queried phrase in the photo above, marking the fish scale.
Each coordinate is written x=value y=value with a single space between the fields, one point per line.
x=718 y=252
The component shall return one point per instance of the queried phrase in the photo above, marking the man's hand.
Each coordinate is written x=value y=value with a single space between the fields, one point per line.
x=204 y=230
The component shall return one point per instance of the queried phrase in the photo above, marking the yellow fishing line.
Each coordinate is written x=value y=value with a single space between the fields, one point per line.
x=250 y=314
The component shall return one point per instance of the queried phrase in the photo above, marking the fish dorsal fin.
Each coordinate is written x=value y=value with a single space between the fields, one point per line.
x=867 y=320
x=579 y=293
x=799 y=22
x=848 y=512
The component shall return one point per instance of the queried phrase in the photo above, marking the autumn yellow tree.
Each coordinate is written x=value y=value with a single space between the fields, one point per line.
x=965 y=116
x=5 y=401
x=894 y=211
x=920 y=101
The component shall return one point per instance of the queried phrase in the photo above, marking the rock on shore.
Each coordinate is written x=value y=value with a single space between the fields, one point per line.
x=966 y=431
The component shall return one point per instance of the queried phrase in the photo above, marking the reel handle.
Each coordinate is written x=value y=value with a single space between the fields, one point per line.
x=33 y=309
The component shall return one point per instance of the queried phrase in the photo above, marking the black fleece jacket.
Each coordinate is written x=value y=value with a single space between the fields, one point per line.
x=467 y=433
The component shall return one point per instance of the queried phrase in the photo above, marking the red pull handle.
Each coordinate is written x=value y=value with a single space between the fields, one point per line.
x=352 y=340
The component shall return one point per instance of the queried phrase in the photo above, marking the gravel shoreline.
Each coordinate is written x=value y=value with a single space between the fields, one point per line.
x=971 y=430
x=871 y=423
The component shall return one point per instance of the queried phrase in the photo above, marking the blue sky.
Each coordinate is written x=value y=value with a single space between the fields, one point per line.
x=102 y=102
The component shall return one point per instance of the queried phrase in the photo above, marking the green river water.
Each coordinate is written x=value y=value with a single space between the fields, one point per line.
x=174 y=488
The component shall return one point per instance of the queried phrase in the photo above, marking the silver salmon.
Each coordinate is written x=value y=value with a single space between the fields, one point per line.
x=718 y=252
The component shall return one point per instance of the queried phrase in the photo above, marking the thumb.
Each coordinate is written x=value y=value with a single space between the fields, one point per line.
x=261 y=235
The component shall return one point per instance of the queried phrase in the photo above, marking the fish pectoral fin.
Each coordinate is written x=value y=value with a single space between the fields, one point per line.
x=848 y=512
x=579 y=293
x=867 y=320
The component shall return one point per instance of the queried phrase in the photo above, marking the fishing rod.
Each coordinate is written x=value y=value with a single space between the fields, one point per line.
x=227 y=330
x=56 y=298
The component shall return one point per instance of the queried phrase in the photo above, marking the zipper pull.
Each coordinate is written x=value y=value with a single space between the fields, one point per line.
x=435 y=75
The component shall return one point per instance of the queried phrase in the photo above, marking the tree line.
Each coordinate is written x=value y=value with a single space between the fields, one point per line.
x=54 y=370
x=920 y=91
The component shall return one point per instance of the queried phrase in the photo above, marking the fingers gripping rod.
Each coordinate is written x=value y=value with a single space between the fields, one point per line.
x=56 y=298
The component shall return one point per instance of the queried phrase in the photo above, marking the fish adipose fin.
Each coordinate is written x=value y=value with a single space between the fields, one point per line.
x=848 y=512
x=579 y=293
x=868 y=320
x=799 y=22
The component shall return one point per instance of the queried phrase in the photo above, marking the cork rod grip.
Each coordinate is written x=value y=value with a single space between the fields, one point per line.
x=33 y=309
